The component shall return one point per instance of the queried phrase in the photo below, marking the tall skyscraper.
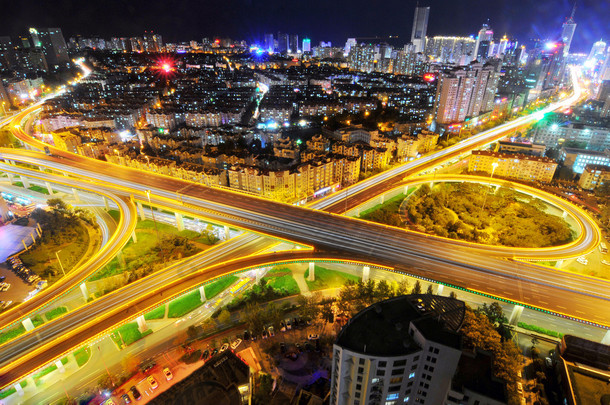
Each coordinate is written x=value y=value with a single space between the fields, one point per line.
x=598 y=51
x=420 y=26
x=268 y=43
x=53 y=45
x=7 y=53
x=293 y=44
x=481 y=50
x=567 y=31
x=282 y=42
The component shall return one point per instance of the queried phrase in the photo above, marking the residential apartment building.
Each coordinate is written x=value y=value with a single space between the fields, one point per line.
x=512 y=166
x=578 y=159
x=553 y=135
x=594 y=176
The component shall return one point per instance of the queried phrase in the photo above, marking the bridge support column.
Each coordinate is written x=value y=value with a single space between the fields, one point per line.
x=121 y=258
x=142 y=327
x=357 y=211
x=27 y=324
x=179 y=221
x=134 y=237
x=19 y=389
x=366 y=273
x=60 y=366
x=259 y=274
x=381 y=199
x=10 y=177
x=25 y=181
x=407 y=190
x=83 y=289
x=312 y=271
x=76 y=196
x=202 y=294
x=439 y=289
x=106 y=205
x=49 y=188
x=515 y=315
x=431 y=184
x=559 y=263
x=227 y=233
x=564 y=215
x=141 y=211
x=606 y=339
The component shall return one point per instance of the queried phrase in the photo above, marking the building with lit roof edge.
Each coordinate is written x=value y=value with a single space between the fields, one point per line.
x=512 y=165
x=406 y=350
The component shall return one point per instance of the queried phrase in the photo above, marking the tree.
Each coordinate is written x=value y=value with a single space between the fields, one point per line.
x=191 y=332
x=224 y=316
x=130 y=363
x=453 y=295
x=494 y=313
x=540 y=376
x=383 y=291
x=416 y=288
x=429 y=290
x=401 y=287
x=308 y=306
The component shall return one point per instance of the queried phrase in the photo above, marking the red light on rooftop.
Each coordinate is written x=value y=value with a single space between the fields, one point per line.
x=429 y=77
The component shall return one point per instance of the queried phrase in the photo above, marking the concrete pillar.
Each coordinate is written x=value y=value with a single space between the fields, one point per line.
x=134 y=237
x=25 y=181
x=407 y=189
x=606 y=339
x=366 y=273
x=559 y=263
x=83 y=289
x=60 y=366
x=106 y=205
x=27 y=324
x=515 y=315
x=312 y=272
x=19 y=389
x=76 y=196
x=10 y=177
x=439 y=289
x=381 y=199
x=202 y=294
x=227 y=233
x=179 y=221
x=259 y=275
x=141 y=211
x=121 y=258
x=431 y=184
x=49 y=188
x=142 y=327
x=358 y=211
x=564 y=215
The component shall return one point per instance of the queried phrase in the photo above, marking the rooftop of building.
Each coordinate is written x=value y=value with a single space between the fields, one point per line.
x=383 y=328
x=576 y=151
x=216 y=382
x=475 y=373
x=506 y=155
x=602 y=168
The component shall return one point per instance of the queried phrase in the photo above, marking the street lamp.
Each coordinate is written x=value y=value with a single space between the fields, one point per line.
x=61 y=266
x=152 y=211
x=493 y=169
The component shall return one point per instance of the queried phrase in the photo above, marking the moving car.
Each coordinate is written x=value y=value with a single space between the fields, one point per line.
x=167 y=373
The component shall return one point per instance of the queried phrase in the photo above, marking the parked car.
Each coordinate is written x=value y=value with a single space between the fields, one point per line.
x=126 y=399
x=283 y=347
x=2 y=278
x=235 y=343
x=205 y=355
x=135 y=393
x=271 y=331
x=246 y=335
x=313 y=336
x=153 y=382
x=265 y=334
x=167 y=373
x=224 y=347
x=299 y=347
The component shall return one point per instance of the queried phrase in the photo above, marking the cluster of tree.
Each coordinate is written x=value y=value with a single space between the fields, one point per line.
x=603 y=198
x=481 y=329
x=474 y=213
x=258 y=294
x=388 y=214
x=60 y=223
x=172 y=247
x=262 y=389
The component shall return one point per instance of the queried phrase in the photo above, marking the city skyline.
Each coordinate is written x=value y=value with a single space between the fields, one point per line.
x=250 y=20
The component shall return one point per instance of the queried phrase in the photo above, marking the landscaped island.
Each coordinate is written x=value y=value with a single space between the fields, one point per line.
x=476 y=213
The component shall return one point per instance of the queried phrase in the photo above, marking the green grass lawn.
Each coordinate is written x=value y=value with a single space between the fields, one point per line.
x=19 y=330
x=184 y=305
x=387 y=202
x=282 y=279
x=115 y=214
x=48 y=370
x=128 y=334
x=39 y=189
x=215 y=288
x=12 y=390
x=18 y=184
x=82 y=355
x=54 y=313
x=326 y=278
x=157 y=313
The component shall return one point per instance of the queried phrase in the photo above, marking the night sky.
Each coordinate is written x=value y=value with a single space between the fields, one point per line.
x=335 y=20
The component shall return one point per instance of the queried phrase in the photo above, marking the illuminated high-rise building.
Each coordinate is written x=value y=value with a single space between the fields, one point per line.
x=268 y=43
x=53 y=45
x=351 y=42
x=7 y=53
x=306 y=45
x=598 y=51
x=450 y=49
x=293 y=44
x=420 y=26
x=283 y=42
x=567 y=31
x=481 y=50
